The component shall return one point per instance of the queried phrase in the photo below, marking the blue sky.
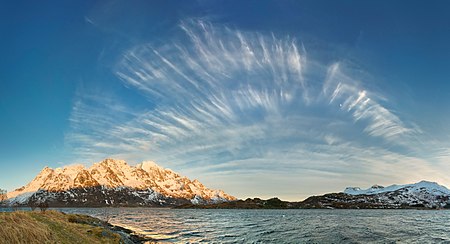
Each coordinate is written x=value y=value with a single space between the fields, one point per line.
x=258 y=98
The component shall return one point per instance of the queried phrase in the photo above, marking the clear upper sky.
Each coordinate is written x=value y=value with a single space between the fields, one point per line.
x=258 y=98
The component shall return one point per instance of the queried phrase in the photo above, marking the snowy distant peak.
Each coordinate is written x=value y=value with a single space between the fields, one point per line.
x=425 y=183
x=376 y=187
x=43 y=174
x=158 y=173
x=351 y=189
x=422 y=186
x=34 y=185
x=148 y=166
x=70 y=170
x=113 y=162
x=45 y=170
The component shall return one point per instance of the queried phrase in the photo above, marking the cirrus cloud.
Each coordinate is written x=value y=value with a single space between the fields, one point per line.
x=227 y=106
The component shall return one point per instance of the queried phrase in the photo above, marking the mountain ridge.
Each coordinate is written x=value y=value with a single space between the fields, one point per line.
x=420 y=195
x=377 y=189
x=115 y=183
x=112 y=176
x=423 y=194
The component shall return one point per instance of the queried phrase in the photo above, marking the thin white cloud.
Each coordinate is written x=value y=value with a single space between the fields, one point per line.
x=344 y=90
x=88 y=20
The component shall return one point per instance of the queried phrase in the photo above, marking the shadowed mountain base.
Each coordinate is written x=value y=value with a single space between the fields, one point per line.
x=100 y=197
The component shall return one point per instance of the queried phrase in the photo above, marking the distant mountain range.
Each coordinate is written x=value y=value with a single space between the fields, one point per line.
x=422 y=195
x=114 y=183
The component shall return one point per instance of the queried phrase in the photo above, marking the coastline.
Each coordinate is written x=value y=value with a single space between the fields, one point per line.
x=95 y=230
x=53 y=226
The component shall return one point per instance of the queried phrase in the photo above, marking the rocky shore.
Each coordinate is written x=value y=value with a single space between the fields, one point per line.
x=57 y=227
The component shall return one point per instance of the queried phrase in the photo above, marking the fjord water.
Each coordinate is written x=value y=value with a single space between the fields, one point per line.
x=280 y=226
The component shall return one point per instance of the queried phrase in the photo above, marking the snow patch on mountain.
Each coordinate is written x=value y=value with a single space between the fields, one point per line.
x=147 y=179
x=422 y=186
x=422 y=194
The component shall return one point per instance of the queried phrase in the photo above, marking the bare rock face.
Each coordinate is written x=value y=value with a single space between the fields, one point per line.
x=113 y=182
x=85 y=179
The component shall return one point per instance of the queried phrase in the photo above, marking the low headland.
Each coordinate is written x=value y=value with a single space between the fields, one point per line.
x=327 y=201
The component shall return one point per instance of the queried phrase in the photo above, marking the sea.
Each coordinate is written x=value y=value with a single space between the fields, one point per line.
x=279 y=226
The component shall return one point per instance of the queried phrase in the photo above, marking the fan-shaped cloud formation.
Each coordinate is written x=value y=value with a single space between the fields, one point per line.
x=246 y=110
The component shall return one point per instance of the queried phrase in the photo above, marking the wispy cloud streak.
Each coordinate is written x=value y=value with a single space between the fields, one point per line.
x=364 y=106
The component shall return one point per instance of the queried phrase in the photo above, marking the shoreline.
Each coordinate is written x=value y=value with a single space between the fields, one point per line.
x=220 y=206
x=53 y=226
x=127 y=234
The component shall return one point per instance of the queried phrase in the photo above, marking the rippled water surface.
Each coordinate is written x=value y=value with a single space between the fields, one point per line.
x=281 y=226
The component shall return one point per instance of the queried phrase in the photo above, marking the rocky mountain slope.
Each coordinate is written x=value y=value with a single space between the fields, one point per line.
x=423 y=194
x=114 y=183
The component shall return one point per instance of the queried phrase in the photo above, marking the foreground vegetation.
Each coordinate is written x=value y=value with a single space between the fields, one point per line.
x=57 y=227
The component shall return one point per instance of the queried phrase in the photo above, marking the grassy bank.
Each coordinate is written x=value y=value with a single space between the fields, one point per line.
x=56 y=227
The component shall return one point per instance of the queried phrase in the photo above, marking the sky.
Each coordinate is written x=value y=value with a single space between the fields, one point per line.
x=258 y=98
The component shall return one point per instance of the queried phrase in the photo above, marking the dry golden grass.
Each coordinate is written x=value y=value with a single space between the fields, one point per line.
x=17 y=227
x=52 y=227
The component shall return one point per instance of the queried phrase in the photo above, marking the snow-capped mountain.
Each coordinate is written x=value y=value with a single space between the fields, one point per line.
x=114 y=182
x=423 y=194
x=432 y=188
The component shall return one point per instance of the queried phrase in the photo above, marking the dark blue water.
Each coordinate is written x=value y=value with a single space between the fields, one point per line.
x=281 y=226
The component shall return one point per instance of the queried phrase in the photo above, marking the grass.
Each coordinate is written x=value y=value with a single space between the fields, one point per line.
x=53 y=227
